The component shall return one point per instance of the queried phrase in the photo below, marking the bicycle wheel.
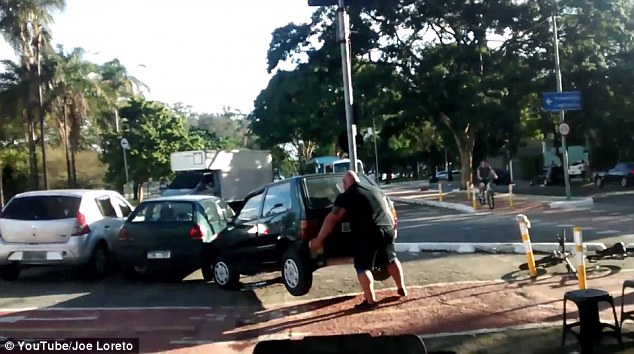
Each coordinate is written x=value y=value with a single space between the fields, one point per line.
x=546 y=262
x=490 y=200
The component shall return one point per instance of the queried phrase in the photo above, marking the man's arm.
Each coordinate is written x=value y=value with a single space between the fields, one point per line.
x=478 y=174
x=332 y=219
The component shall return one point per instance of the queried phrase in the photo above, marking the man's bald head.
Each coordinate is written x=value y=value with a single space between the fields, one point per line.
x=350 y=178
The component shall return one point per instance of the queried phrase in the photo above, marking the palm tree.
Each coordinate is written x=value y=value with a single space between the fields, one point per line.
x=24 y=24
x=118 y=85
x=75 y=83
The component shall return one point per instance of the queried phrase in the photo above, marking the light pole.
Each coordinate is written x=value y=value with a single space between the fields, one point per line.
x=561 y=112
x=344 y=39
x=376 y=154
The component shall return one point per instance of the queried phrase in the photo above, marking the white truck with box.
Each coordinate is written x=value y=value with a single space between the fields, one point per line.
x=230 y=175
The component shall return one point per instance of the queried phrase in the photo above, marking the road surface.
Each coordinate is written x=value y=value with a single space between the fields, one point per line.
x=605 y=221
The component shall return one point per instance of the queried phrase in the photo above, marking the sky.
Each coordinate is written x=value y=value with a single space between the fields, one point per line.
x=204 y=53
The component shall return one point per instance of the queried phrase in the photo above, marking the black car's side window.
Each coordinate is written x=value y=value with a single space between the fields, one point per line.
x=277 y=200
x=251 y=209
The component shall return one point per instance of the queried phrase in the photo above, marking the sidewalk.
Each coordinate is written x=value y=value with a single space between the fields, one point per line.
x=446 y=316
x=453 y=198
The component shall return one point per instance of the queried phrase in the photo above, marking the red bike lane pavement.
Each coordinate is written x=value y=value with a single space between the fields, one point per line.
x=432 y=309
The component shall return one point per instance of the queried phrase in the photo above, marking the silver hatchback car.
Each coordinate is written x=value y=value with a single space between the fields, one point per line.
x=61 y=227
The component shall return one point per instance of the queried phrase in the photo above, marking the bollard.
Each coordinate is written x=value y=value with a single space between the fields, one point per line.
x=468 y=191
x=511 y=194
x=474 y=201
x=525 y=224
x=440 y=192
x=581 y=262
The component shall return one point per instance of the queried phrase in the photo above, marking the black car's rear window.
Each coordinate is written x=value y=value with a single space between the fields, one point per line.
x=163 y=211
x=322 y=191
x=47 y=207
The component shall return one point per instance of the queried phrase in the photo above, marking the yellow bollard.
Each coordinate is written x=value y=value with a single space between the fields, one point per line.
x=474 y=201
x=440 y=196
x=511 y=194
x=525 y=224
x=468 y=191
x=581 y=262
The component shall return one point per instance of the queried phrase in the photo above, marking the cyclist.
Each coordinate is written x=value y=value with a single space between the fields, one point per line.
x=485 y=175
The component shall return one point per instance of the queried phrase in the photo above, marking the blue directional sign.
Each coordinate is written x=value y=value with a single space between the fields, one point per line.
x=336 y=2
x=561 y=101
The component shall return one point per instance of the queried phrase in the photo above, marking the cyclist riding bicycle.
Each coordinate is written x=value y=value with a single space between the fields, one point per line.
x=485 y=175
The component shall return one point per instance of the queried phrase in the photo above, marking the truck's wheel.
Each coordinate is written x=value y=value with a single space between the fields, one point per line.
x=226 y=275
x=296 y=272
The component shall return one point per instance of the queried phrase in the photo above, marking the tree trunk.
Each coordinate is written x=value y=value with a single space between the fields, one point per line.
x=1 y=186
x=73 y=168
x=41 y=112
x=466 y=161
x=465 y=139
x=135 y=191
x=30 y=136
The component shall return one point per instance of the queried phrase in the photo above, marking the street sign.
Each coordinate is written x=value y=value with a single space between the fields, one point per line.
x=124 y=143
x=336 y=2
x=564 y=129
x=561 y=101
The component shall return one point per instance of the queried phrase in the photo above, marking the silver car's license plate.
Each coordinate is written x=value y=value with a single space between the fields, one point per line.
x=159 y=254
x=34 y=256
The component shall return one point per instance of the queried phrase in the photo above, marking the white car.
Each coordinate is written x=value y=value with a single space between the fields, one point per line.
x=61 y=227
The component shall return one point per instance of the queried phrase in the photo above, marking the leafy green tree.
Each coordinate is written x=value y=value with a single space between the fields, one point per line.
x=24 y=24
x=153 y=131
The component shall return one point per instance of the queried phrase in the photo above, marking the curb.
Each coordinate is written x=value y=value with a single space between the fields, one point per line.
x=485 y=247
x=454 y=206
x=564 y=204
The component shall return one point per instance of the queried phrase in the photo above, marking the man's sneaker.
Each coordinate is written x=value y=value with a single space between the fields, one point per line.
x=365 y=306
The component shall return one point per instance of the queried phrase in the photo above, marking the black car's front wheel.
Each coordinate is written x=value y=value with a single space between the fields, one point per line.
x=226 y=275
x=296 y=272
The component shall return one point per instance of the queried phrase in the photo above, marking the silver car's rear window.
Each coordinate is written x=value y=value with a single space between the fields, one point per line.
x=49 y=207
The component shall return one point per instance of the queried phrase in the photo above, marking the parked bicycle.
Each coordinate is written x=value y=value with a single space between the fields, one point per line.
x=616 y=252
x=558 y=256
x=486 y=196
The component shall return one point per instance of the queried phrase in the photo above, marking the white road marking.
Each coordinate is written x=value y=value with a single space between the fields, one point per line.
x=132 y=308
x=565 y=225
x=598 y=211
x=604 y=232
x=492 y=330
x=14 y=319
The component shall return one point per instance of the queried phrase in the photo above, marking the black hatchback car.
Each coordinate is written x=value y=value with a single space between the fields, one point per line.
x=271 y=233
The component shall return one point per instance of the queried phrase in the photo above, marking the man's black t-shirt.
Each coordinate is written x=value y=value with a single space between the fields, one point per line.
x=365 y=208
x=485 y=172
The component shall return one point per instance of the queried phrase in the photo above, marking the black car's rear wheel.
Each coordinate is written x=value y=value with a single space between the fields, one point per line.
x=296 y=272
x=226 y=275
x=598 y=182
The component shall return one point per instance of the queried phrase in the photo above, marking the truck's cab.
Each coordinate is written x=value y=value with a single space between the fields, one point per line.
x=330 y=164
x=194 y=182
x=229 y=175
